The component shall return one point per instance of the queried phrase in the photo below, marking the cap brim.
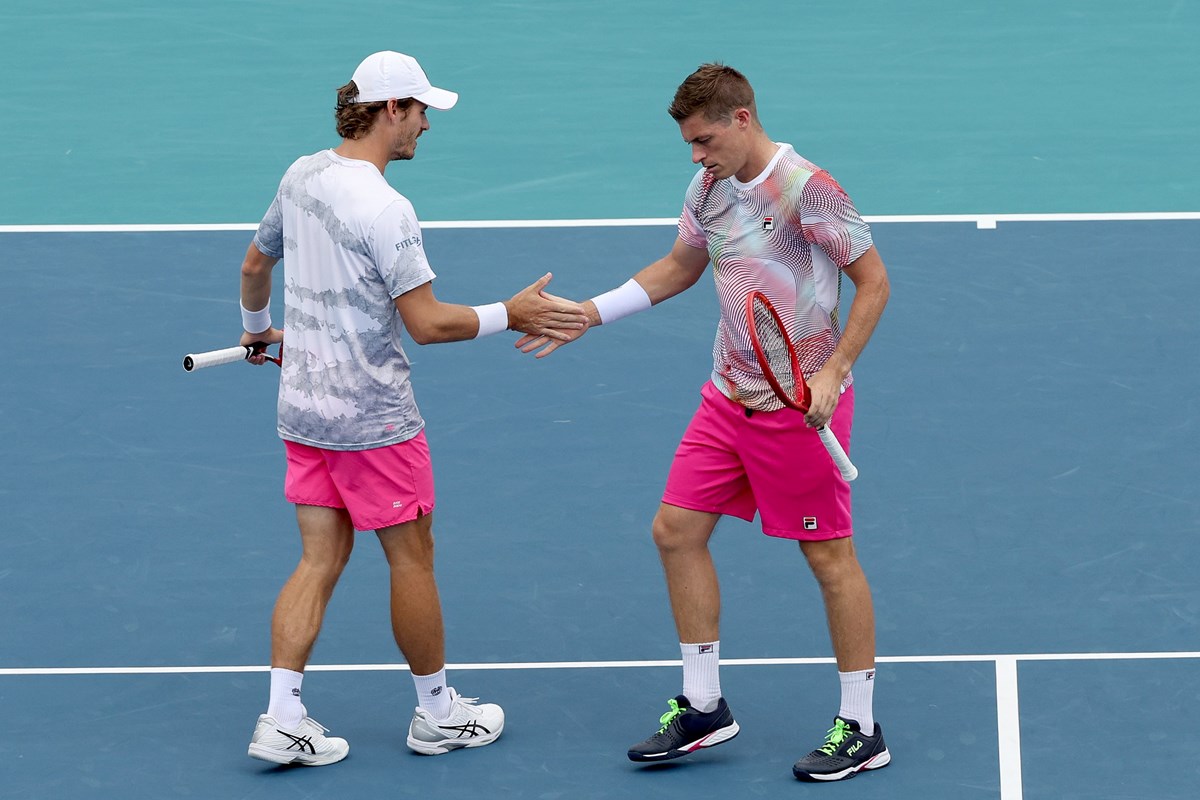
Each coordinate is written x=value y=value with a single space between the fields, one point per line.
x=437 y=98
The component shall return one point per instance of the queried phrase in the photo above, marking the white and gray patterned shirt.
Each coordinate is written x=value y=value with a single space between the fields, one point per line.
x=350 y=244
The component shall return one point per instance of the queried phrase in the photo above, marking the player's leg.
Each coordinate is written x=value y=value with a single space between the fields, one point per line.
x=706 y=481
x=443 y=720
x=698 y=717
x=415 y=605
x=801 y=496
x=285 y=734
x=847 y=596
x=327 y=539
x=681 y=536
x=855 y=742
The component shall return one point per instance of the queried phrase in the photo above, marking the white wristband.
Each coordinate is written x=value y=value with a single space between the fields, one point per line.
x=493 y=318
x=256 y=321
x=628 y=298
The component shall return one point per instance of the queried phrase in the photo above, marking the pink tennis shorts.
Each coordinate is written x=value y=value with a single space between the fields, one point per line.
x=378 y=487
x=767 y=462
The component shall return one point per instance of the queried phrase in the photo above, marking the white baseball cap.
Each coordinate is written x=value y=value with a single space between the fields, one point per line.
x=388 y=74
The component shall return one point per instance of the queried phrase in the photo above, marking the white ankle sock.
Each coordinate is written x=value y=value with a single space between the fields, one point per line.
x=285 y=705
x=858 y=692
x=432 y=693
x=701 y=677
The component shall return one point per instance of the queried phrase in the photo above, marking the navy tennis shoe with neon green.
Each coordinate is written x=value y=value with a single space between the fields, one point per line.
x=685 y=730
x=847 y=751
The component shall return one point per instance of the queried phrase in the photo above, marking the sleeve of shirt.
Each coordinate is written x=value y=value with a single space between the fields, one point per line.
x=269 y=236
x=399 y=250
x=831 y=221
x=691 y=232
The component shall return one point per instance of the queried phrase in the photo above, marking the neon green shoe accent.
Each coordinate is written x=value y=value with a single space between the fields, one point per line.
x=666 y=718
x=835 y=736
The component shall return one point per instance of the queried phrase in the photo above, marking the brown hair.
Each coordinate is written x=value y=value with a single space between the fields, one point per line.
x=714 y=90
x=354 y=120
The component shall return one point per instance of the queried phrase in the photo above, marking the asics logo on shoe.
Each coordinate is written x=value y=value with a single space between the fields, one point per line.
x=466 y=730
x=301 y=743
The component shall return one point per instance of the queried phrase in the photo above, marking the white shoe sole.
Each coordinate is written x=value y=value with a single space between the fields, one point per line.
x=446 y=745
x=879 y=760
x=282 y=757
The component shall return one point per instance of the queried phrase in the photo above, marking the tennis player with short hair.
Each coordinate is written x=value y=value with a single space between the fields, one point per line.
x=356 y=280
x=769 y=221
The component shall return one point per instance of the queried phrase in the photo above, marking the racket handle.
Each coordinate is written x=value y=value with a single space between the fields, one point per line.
x=844 y=465
x=214 y=358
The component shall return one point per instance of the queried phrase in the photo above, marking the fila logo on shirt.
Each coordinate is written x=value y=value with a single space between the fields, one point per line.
x=768 y=223
x=810 y=523
x=409 y=242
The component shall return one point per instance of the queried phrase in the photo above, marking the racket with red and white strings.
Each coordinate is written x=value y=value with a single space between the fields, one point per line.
x=215 y=358
x=780 y=365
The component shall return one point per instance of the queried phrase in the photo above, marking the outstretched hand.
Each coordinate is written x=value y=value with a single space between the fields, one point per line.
x=528 y=343
x=535 y=312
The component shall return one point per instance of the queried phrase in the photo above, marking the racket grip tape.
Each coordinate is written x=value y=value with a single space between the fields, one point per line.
x=840 y=459
x=214 y=358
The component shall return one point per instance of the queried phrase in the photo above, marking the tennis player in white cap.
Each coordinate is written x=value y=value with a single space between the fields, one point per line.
x=357 y=283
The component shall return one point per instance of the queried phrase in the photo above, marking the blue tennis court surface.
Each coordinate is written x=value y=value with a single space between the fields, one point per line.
x=1025 y=514
x=1027 y=419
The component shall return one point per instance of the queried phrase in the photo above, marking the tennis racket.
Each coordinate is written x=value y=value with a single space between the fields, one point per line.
x=781 y=367
x=215 y=358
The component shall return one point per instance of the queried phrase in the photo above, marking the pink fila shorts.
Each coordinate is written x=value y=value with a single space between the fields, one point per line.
x=769 y=462
x=379 y=487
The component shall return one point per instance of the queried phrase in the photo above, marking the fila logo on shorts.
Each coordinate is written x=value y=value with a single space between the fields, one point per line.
x=768 y=223
x=810 y=523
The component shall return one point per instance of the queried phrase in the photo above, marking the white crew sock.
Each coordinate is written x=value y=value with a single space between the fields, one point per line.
x=701 y=678
x=285 y=706
x=858 y=692
x=432 y=693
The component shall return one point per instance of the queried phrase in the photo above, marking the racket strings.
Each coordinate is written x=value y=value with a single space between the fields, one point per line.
x=774 y=348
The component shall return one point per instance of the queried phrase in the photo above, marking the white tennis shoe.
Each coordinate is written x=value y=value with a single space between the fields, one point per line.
x=470 y=724
x=305 y=744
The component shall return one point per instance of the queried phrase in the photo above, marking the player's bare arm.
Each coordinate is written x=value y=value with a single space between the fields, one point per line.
x=428 y=320
x=871 y=291
x=256 y=295
x=675 y=272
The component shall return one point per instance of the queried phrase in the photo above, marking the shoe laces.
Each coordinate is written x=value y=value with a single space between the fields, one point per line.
x=835 y=736
x=666 y=719
x=315 y=724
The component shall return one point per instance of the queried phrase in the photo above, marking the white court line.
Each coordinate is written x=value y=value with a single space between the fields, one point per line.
x=982 y=221
x=730 y=662
x=1008 y=715
x=1008 y=725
